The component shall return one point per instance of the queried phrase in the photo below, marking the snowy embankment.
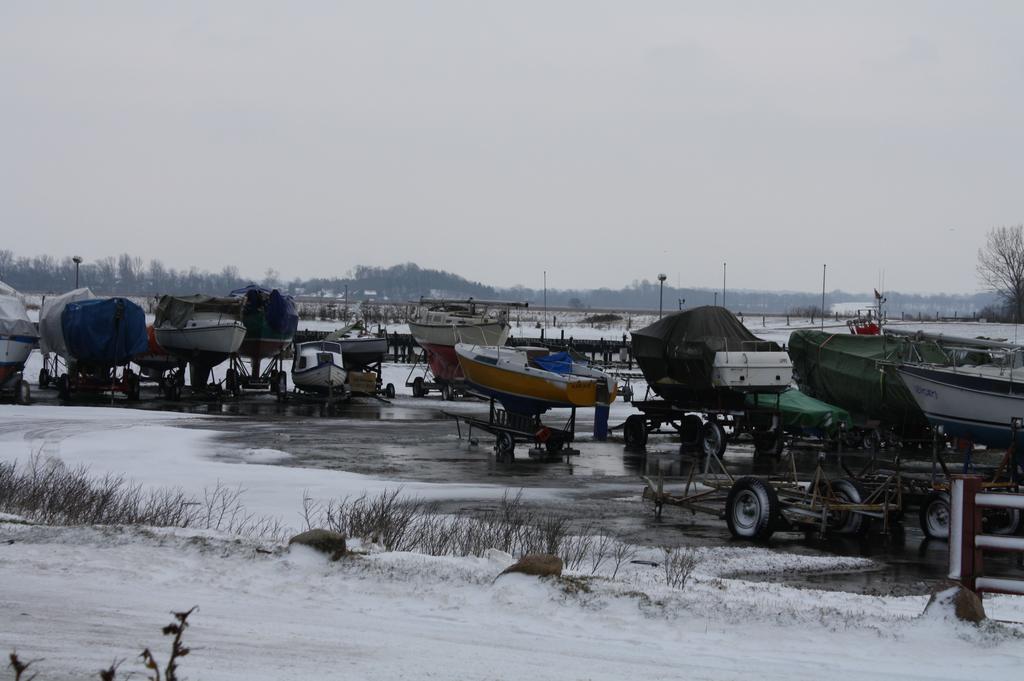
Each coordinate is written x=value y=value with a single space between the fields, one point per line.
x=80 y=597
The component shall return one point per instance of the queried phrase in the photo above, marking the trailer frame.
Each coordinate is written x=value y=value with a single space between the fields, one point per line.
x=510 y=428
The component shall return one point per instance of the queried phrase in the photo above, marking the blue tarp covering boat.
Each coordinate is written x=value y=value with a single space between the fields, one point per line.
x=106 y=331
x=557 y=362
x=279 y=309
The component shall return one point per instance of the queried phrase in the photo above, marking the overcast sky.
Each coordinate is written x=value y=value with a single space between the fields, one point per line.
x=602 y=142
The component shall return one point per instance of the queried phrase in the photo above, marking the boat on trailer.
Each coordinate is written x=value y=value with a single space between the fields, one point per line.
x=270 y=320
x=976 y=395
x=202 y=330
x=319 y=368
x=532 y=380
x=98 y=339
x=18 y=336
x=437 y=325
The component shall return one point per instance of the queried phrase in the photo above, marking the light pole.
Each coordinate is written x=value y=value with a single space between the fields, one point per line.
x=723 y=284
x=78 y=261
x=661 y=292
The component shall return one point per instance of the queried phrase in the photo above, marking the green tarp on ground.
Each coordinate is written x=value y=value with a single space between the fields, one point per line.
x=857 y=374
x=800 y=412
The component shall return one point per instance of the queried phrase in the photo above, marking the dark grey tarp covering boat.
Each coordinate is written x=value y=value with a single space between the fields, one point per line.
x=677 y=353
x=176 y=311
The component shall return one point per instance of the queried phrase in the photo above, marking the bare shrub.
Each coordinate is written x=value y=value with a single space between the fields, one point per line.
x=679 y=564
x=622 y=553
x=600 y=549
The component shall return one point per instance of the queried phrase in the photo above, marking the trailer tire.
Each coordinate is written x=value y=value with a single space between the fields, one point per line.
x=448 y=392
x=417 y=387
x=769 y=442
x=281 y=386
x=389 y=391
x=44 y=378
x=63 y=387
x=871 y=440
x=504 y=446
x=22 y=392
x=934 y=516
x=752 y=509
x=847 y=522
x=132 y=389
x=713 y=439
x=231 y=382
x=634 y=432
x=1006 y=522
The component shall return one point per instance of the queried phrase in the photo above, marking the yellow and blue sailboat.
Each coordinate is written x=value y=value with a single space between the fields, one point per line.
x=531 y=380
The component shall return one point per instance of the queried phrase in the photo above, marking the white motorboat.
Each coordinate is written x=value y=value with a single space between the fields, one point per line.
x=320 y=368
x=977 y=403
x=203 y=330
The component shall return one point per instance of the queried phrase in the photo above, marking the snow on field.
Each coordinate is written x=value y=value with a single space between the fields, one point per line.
x=80 y=597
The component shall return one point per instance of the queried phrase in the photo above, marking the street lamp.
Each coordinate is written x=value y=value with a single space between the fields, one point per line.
x=661 y=292
x=78 y=261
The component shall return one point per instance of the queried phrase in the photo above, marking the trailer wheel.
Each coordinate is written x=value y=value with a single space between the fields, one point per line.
x=389 y=391
x=63 y=387
x=935 y=516
x=231 y=382
x=132 y=390
x=504 y=446
x=22 y=392
x=281 y=386
x=1004 y=521
x=752 y=509
x=447 y=392
x=848 y=522
x=634 y=432
x=769 y=442
x=44 y=378
x=713 y=439
x=871 y=440
x=417 y=387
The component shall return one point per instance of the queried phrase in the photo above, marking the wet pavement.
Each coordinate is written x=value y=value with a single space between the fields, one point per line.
x=411 y=439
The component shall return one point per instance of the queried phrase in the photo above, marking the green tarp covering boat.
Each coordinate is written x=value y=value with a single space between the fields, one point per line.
x=804 y=414
x=858 y=374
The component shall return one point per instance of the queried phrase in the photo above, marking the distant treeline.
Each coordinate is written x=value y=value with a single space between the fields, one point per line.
x=127 y=274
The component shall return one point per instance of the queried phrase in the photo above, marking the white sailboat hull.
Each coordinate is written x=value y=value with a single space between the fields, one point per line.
x=223 y=338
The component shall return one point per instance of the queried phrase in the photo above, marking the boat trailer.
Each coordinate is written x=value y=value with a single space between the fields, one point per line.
x=87 y=377
x=755 y=507
x=510 y=428
x=272 y=377
x=703 y=428
x=425 y=382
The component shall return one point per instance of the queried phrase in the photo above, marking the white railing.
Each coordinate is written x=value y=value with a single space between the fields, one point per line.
x=967 y=543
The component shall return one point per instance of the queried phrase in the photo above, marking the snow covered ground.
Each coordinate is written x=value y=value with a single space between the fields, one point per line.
x=81 y=597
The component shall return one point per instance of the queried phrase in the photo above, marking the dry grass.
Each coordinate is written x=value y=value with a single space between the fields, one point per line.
x=47 y=491
x=410 y=524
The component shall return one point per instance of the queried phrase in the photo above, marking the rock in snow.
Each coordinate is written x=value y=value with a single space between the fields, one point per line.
x=952 y=600
x=538 y=564
x=325 y=541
